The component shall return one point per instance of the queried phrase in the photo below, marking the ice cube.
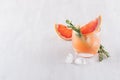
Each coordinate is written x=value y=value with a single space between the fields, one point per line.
x=69 y=58
x=84 y=61
x=78 y=61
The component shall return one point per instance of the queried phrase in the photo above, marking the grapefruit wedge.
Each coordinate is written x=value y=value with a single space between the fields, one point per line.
x=92 y=26
x=63 y=32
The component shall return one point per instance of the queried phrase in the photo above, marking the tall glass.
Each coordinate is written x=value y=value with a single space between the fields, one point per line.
x=87 y=45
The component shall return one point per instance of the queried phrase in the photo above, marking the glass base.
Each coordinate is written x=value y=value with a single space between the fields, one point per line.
x=85 y=55
x=86 y=58
x=75 y=58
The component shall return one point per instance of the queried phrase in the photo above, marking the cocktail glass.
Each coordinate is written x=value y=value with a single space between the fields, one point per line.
x=87 y=45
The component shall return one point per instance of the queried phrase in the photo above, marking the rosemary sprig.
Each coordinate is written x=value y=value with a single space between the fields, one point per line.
x=70 y=25
x=102 y=53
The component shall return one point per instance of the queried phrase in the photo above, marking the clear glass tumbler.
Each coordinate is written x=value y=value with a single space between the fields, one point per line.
x=86 y=46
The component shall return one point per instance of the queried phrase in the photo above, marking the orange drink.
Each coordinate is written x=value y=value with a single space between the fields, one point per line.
x=87 y=45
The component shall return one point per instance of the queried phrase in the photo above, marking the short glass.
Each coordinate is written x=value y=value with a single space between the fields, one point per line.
x=86 y=46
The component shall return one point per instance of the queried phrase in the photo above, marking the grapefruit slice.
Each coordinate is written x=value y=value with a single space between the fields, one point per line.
x=63 y=31
x=66 y=33
x=92 y=26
